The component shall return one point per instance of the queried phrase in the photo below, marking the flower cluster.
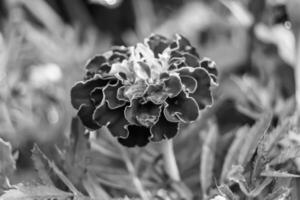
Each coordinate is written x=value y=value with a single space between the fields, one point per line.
x=142 y=92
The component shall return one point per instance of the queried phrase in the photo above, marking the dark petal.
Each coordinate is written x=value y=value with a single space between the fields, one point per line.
x=156 y=94
x=163 y=129
x=110 y=92
x=85 y=114
x=183 y=45
x=144 y=114
x=164 y=75
x=210 y=66
x=97 y=96
x=121 y=50
x=114 y=119
x=189 y=83
x=117 y=57
x=98 y=64
x=183 y=107
x=138 y=136
x=191 y=60
x=135 y=91
x=80 y=92
x=202 y=94
x=173 y=86
x=118 y=127
x=120 y=94
x=157 y=44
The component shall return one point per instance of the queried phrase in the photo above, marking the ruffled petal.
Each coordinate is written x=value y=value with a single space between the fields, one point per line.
x=157 y=43
x=183 y=45
x=138 y=136
x=134 y=91
x=98 y=64
x=191 y=60
x=110 y=93
x=114 y=119
x=202 y=94
x=80 y=92
x=144 y=114
x=85 y=114
x=97 y=96
x=173 y=86
x=189 y=83
x=156 y=94
x=182 y=107
x=210 y=66
x=163 y=129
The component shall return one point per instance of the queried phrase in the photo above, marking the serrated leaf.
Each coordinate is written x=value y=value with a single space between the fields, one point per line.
x=38 y=159
x=207 y=157
x=231 y=156
x=21 y=192
x=253 y=138
x=272 y=139
x=226 y=191
x=285 y=155
x=60 y=174
x=7 y=161
x=279 y=194
x=278 y=174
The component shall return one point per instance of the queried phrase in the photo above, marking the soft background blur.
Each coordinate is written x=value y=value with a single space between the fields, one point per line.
x=44 y=45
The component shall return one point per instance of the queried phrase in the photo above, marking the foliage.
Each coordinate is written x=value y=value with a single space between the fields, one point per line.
x=245 y=146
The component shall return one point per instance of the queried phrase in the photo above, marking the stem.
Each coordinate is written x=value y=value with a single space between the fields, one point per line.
x=297 y=70
x=169 y=160
x=131 y=169
x=136 y=181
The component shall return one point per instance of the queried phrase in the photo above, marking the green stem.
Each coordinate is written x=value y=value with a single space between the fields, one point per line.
x=169 y=160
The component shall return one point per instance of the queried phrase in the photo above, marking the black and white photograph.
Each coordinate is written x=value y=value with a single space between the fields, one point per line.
x=149 y=99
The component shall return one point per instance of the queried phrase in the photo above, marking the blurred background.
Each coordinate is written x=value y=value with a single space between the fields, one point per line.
x=44 y=45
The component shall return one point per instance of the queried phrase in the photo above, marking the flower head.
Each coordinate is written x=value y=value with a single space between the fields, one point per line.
x=142 y=92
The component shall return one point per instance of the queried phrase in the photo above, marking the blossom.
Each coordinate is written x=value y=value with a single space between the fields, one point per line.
x=141 y=93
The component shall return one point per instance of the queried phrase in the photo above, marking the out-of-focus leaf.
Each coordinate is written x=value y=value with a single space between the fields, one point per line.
x=236 y=175
x=280 y=194
x=231 y=156
x=39 y=163
x=253 y=137
x=59 y=174
x=282 y=37
x=21 y=192
x=285 y=155
x=226 y=191
x=7 y=161
x=278 y=174
x=207 y=157
x=94 y=189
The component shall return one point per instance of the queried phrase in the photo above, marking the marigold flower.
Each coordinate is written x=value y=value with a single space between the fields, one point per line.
x=142 y=92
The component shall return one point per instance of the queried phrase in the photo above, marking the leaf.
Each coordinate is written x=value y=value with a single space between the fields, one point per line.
x=231 y=157
x=7 y=164
x=279 y=194
x=253 y=138
x=285 y=155
x=60 y=174
x=7 y=161
x=236 y=175
x=226 y=191
x=38 y=159
x=21 y=192
x=207 y=157
x=278 y=174
x=94 y=189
